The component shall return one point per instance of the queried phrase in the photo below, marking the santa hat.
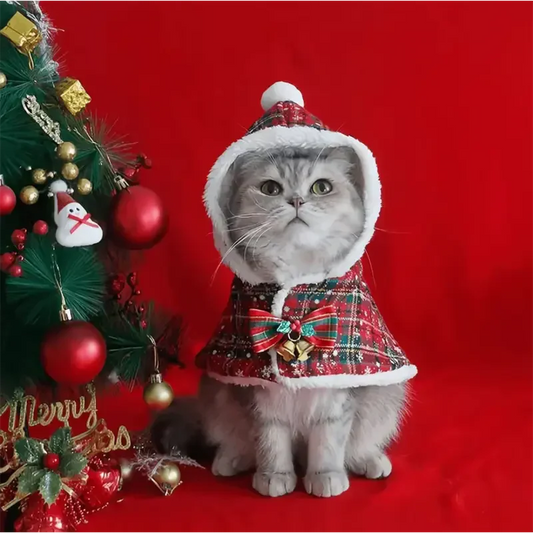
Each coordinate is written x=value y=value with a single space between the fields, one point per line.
x=63 y=199
x=286 y=123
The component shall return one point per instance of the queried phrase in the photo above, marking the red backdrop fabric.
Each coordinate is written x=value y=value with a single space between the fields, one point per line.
x=442 y=94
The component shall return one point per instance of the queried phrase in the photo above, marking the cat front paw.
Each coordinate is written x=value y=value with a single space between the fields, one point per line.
x=274 y=483
x=376 y=467
x=326 y=484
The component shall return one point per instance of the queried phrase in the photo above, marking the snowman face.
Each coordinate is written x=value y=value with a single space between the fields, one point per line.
x=75 y=227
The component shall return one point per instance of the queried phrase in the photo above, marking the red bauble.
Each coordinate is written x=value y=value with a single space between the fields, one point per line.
x=6 y=260
x=51 y=461
x=15 y=271
x=40 y=227
x=103 y=482
x=73 y=352
x=8 y=199
x=138 y=218
x=38 y=516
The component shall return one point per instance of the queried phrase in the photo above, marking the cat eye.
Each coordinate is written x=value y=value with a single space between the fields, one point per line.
x=271 y=188
x=321 y=187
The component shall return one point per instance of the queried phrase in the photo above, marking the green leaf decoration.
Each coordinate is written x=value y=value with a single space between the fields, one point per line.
x=28 y=481
x=72 y=464
x=50 y=486
x=29 y=451
x=61 y=441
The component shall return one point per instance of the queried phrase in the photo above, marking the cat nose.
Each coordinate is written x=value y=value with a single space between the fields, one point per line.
x=296 y=202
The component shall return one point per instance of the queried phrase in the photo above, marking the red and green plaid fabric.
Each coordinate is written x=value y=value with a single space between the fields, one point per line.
x=363 y=344
x=287 y=114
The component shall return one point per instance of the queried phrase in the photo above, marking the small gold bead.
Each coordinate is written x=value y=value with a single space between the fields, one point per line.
x=66 y=151
x=39 y=176
x=29 y=195
x=70 y=171
x=84 y=186
x=3 y=80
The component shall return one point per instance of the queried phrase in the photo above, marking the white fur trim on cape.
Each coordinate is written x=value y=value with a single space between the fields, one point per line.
x=303 y=137
x=281 y=92
x=342 y=381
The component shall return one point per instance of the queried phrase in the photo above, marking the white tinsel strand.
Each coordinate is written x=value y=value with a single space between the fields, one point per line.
x=148 y=462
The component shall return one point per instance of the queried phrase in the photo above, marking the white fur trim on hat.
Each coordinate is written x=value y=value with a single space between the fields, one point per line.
x=297 y=136
x=281 y=92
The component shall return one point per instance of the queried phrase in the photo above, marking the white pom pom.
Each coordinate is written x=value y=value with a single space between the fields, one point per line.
x=281 y=92
x=58 y=186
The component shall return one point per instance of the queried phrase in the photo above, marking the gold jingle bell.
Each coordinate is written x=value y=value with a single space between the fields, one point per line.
x=304 y=349
x=288 y=350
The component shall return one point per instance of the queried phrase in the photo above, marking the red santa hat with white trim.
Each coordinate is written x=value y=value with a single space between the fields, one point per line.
x=287 y=123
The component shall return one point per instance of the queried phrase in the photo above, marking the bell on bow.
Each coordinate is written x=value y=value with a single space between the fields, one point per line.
x=287 y=350
x=304 y=349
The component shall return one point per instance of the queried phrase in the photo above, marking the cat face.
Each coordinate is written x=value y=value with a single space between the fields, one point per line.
x=292 y=211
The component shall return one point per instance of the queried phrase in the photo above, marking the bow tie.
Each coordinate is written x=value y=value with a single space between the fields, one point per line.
x=316 y=330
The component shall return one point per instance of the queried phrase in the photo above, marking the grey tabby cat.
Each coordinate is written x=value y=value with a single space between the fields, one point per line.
x=289 y=213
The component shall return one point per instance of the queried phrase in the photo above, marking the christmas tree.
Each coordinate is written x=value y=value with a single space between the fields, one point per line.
x=71 y=207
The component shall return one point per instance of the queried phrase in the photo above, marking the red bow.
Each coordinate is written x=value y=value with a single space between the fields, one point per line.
x=319 y=327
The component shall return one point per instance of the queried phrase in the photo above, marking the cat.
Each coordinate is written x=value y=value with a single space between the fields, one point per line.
x=290 y=213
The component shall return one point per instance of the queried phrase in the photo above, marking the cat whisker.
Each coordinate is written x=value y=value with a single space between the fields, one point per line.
x=232 y=247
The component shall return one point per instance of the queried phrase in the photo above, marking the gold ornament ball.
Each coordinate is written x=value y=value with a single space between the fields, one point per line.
x=158 y=395
x=38 y=176
x=84 y=186
x=29 y=195
x=3 y=80
x=70 y=171
x=66 y=151
x=167 y=477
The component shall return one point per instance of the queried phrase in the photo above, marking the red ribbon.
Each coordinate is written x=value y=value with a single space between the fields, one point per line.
x=85 y=220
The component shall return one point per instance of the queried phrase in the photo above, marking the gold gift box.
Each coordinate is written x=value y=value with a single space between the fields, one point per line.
x=72 y=94
x=22 y=32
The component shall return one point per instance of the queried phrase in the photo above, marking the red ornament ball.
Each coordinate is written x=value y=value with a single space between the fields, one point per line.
x=15 y=271
x=138 y=218
x=51 y=461
x=73 y=352
x=40 y=227
x=8 y=200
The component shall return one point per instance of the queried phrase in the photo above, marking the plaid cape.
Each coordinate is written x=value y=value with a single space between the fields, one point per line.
x=363 y=344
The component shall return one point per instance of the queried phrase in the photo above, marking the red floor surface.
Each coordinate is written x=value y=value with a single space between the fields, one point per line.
x=441 y=92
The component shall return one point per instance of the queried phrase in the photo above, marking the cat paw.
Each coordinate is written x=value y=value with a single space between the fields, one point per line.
x=274 y=484
x=228 y=465
x=375 y=467
x=326 y=484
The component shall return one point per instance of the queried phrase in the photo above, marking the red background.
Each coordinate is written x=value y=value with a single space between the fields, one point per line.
x=441 y=93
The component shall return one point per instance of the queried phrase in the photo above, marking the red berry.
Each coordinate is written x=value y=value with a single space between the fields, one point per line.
x=40 y=227
x=129 y=173
x=6 y=260
x=15 y=271
x=51 y=461
x=18 y=237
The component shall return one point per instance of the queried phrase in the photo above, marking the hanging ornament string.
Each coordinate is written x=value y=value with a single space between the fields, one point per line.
x=65 y=313
x=158 y=394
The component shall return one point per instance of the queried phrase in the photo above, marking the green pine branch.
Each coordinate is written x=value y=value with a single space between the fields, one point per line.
x=35 y=295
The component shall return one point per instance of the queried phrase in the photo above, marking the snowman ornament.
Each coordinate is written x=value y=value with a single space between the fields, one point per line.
x=75 y=227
